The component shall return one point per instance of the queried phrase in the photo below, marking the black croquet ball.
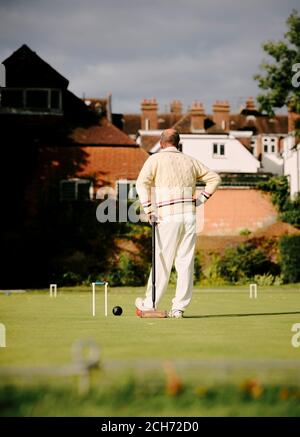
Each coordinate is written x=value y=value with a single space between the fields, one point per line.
x=117 y=311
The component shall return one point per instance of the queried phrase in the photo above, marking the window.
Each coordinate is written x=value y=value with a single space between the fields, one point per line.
x=76 y=189
x=37 y=99
x=218 y=150
x=270 y=144
x=12 y=98
x=31 y=99
x=55 y=99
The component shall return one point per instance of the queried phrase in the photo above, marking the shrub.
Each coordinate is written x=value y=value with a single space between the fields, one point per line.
x=292 y=212
x=289 y=247
x=243 y=262
x=211 y=273
x=70 y=279
x=245 y=232
x=197 y=268
x=267 y=279
x=128 y=272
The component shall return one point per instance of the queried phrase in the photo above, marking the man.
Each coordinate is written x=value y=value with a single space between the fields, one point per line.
x=171 y=177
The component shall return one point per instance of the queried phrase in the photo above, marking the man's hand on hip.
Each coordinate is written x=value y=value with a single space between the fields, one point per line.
x=204 y=196
x=152 y=217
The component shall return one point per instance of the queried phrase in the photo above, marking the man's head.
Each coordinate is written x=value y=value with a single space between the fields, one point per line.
x=169 y=137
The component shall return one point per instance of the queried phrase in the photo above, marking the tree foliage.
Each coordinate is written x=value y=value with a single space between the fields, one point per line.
x=245 y=261
x=290 y=257
x=276 y=74
x=278 y=187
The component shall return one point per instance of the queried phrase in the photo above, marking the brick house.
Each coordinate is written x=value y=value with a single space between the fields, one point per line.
x=62 y=137
x=55 y=152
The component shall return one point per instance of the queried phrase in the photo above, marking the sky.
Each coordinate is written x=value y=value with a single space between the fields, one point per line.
x=191 y=50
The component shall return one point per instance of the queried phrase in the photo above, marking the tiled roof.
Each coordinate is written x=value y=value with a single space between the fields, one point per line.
x=104 y=134
x=149 y=141
x=260 y=125
x=184 y=125
x=132 y=122
x=167 y=120
x=109 y=164
x=246 y=141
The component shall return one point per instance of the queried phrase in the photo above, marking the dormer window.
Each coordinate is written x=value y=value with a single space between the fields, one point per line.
x=45 y=100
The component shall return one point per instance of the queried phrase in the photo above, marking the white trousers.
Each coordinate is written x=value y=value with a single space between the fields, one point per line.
x=175 y=244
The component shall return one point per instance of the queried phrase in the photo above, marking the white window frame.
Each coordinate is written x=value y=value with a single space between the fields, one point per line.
x=269 y=143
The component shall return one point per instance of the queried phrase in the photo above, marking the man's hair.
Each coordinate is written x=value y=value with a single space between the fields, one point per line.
x=172 y=138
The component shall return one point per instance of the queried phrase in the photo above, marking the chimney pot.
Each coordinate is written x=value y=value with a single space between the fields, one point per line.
x=176 y=107
x=221 y=112
x=197 y=117
x=250 y=104
x=149 y=119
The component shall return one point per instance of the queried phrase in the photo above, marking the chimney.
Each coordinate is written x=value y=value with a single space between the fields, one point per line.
x=149 y=114
x=221 y=110
x=197 y=117
x=176 y=107
x=250 y=104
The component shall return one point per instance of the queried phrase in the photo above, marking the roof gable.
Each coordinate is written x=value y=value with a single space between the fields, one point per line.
x=24 y=68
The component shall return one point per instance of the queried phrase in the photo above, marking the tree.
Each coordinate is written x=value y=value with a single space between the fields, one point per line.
x=276 y=78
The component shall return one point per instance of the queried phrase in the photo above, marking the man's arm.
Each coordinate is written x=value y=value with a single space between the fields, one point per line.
x=143 y=186
x=212 y=181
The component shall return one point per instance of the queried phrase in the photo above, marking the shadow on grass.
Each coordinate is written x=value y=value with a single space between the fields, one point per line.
x=208 y=316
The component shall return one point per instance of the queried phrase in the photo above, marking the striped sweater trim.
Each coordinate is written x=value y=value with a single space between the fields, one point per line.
x=174 y=201
x=146 y=204
x=206 y=194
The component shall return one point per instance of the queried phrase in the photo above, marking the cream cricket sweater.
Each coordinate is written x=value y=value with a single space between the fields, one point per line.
x=166 y=184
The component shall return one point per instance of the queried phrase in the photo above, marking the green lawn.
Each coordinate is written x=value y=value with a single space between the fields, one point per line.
x=220 y=324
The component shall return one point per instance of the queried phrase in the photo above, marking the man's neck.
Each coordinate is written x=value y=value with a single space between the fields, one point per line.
x=169 y=147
